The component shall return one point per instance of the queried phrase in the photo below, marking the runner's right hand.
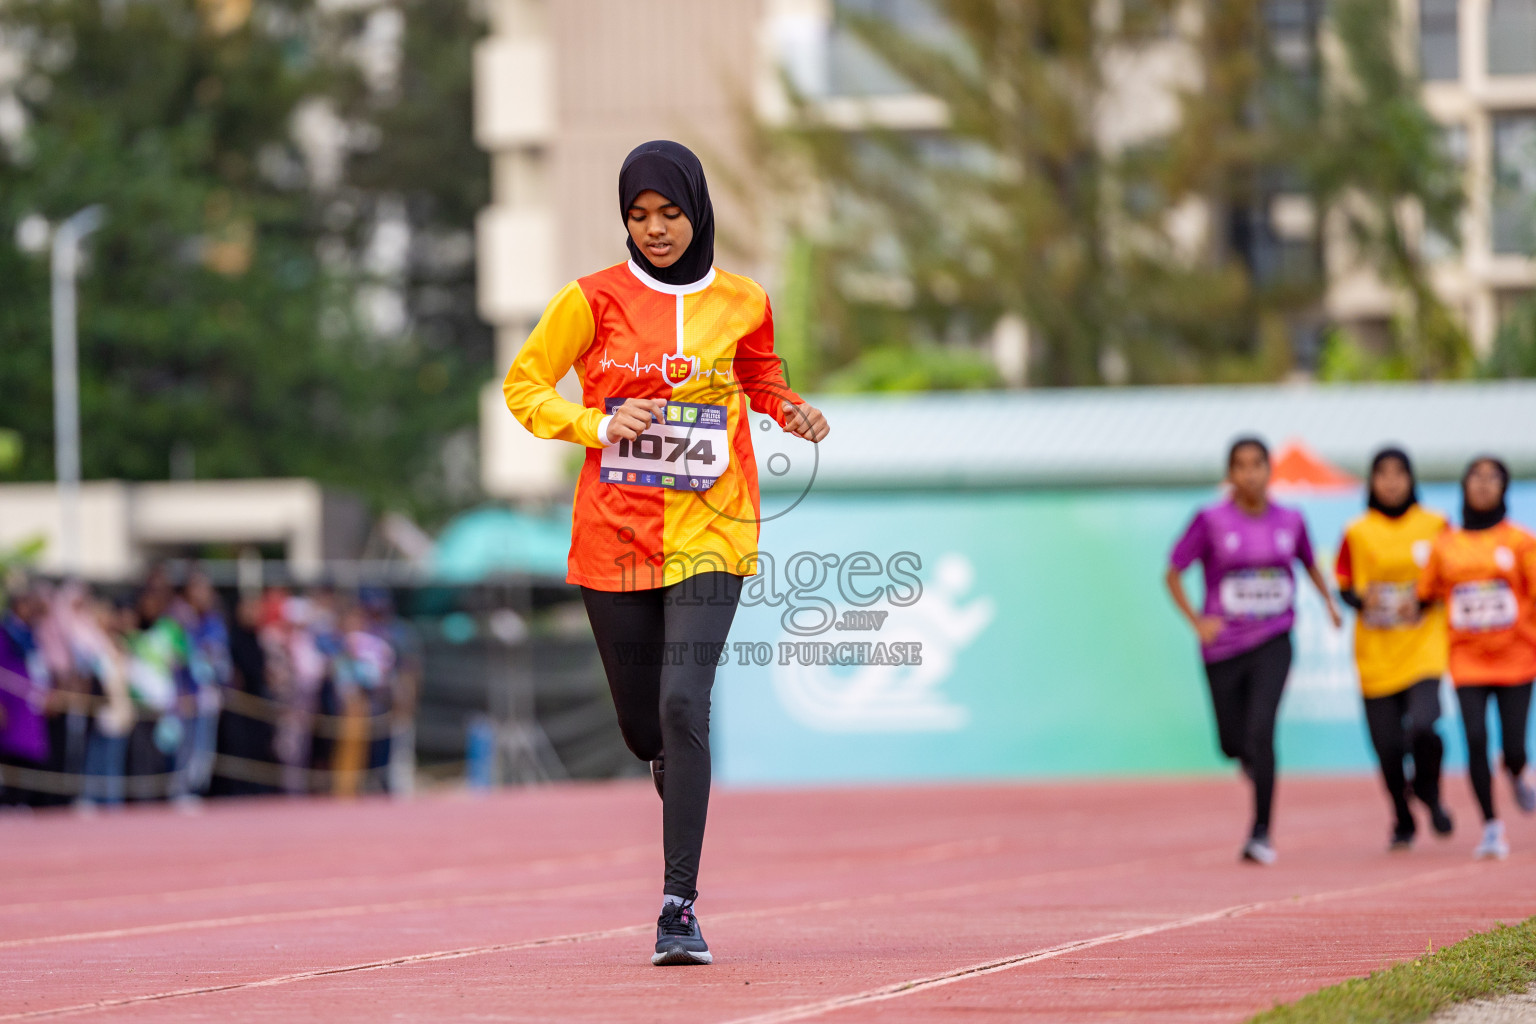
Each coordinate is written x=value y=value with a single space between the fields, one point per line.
x=1209 y=627
x=631 y=419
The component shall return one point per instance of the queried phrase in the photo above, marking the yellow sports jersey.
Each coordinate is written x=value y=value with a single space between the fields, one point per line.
x=1381 y=559
x=683 y=497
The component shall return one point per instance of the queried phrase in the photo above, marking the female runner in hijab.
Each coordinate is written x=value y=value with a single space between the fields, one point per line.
x=671 y=352
x=1399 y=651
x=1485 y=575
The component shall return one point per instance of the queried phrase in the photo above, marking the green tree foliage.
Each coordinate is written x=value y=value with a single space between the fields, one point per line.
x=1125 y=256
x=10 y=449
x=1376 y=161
x=1514 y=350
x=219 y=308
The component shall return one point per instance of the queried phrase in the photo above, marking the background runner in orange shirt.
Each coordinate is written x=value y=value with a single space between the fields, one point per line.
x=1399 y=649
x=1485 y=575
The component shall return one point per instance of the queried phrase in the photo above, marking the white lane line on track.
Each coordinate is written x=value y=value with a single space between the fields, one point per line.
x=284 y=979
x=916 y=855
x=948 y=892
x=914 y=985
x=323 y=913
x=618 y=855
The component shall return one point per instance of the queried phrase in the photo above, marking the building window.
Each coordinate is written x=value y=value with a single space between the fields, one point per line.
x=1439 y=40
x=1514 y=184
x=1292 y=26
x=1512 y=37
x=1453 y=142
x=855 y=70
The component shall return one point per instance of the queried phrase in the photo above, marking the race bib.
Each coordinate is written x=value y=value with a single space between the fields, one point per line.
x=1256 y=593
x=687 y=449
x=1392 y=606
x=1483 y=606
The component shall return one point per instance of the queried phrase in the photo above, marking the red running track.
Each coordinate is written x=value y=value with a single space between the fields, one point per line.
x=1061 y=902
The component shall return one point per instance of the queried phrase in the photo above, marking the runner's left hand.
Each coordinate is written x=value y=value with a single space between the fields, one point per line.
x=805 y=421
x=1333 y=613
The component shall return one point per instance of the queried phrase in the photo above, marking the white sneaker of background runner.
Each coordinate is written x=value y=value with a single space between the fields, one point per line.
x=1260 y=852
x=1494 y=846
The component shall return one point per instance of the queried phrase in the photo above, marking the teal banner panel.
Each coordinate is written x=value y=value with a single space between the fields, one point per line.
x=915 y=636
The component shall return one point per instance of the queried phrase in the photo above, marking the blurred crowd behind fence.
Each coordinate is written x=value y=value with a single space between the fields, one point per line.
x=188 y=686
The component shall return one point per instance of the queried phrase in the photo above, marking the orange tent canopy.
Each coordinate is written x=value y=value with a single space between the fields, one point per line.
x=1295 y=466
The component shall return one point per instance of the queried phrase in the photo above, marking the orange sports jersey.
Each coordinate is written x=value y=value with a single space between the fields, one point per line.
x=683 y=498
x=1487 y=581
x=1380 y=559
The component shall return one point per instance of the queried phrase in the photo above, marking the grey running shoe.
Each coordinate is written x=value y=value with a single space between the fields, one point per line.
x=1525 y=792
x=1494 y=846
x=1441 y=821
x=679 y=941
x=1258 y=851
x=1402 y=837
x=658 y=771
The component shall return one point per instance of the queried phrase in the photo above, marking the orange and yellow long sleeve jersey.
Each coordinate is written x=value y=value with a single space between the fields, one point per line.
x=684 y=497
x=1380 y=559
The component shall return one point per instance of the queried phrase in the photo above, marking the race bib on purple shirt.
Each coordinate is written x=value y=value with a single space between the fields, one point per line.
x=1263 y=593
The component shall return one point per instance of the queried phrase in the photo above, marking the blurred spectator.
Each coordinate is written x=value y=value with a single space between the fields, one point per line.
x=23 y=688
x=160 y=696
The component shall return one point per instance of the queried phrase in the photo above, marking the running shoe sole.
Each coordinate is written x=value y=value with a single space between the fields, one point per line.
x=679 y=957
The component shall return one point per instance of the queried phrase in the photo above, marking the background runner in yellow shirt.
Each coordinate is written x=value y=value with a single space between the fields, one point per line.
x=1399 y=652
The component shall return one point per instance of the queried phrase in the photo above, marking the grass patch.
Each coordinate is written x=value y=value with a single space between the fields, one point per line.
x=1490 y=964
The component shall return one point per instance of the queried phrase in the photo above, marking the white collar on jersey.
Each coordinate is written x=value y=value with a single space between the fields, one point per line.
x=671 y=289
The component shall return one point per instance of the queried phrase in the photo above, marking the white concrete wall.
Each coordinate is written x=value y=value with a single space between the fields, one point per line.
x=121 y=522
x=31 y=511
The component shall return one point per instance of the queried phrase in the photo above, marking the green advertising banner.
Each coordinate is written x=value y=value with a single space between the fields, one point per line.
x=911 y=636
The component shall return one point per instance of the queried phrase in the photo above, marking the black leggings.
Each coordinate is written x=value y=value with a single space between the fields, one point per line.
x=1403 y=723
x=1514 y=708
x=1245 y=692
x=659 y=649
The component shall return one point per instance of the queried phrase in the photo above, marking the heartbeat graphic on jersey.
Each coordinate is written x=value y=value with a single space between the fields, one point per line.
x=637 y=368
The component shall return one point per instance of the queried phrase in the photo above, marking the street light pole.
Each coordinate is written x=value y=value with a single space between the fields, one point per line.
x=66 y=379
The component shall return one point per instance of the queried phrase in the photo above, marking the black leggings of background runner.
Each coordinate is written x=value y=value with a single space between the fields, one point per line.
x=662 y=694
x=1514 y=708
x=1403 y=723
x=1245 y=692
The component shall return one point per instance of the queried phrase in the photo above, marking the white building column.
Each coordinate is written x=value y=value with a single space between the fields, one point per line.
x=515 y=116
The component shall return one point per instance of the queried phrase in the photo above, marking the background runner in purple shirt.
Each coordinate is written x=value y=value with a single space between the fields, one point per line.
x=1246 y=545
x=1247 y=560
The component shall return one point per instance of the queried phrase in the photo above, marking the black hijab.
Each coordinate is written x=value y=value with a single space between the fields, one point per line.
x=672 y=171
x=1471 y=519
x=1393 y=511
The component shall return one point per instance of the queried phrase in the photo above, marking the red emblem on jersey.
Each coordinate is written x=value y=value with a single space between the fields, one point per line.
x=678 y=369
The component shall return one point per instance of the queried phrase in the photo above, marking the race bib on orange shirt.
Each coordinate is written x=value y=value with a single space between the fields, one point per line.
x=686 y=449
x=1256 y=593
x=1483 y=606
x=1392 y=606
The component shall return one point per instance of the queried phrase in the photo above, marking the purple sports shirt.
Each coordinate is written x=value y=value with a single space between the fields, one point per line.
x=1247 y=564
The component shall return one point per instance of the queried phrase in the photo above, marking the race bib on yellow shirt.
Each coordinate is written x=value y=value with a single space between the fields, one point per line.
x=686 y=449
x=1483 y=606
x=1391 y=606
x=1256 y=593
